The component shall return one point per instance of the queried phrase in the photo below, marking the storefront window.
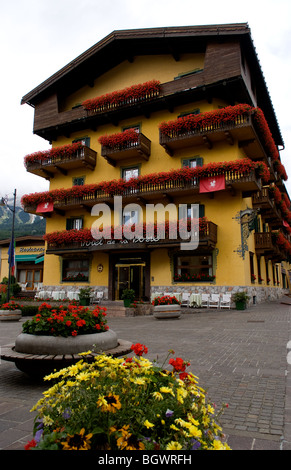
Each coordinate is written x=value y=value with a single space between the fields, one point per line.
x=189 y=268
x=75 y=270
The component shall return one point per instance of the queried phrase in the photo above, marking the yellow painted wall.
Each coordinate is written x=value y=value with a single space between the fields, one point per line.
x=143 y=68
x=231 y=268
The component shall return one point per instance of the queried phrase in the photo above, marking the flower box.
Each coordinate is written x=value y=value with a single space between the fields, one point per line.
x=126 y=97
x=10 y=315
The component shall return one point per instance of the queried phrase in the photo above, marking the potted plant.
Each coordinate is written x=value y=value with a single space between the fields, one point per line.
x=240 y=299
x=128 y=296
x=60 y=331
x=166 y=306
x=125 y=404
x=84 y=296
x=10 y=311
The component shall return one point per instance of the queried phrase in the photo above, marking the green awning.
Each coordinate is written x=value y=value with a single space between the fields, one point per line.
x=34 y=258
x=25 y=257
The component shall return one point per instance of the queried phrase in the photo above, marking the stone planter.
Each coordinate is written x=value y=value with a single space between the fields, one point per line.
x=163 y=312
x=10 y=315
x=57 y=345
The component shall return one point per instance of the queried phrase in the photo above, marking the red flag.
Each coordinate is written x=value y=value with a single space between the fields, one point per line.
x=45 y=207
x=212 y=183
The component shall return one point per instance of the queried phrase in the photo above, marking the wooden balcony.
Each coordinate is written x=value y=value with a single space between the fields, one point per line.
x=265 y=246
x=265 y=203
x=84 y=157
x=164 y=191
x=136 y=151
x=207 y=240
x=242 y=130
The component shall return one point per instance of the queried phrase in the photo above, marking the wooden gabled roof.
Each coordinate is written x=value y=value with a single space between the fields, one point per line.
x=126 y=44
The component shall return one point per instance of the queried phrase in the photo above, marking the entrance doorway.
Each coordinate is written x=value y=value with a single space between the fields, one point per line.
x=129 y=276
x=29 y=278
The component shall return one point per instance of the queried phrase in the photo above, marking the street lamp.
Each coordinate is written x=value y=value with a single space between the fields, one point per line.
x=3 y=202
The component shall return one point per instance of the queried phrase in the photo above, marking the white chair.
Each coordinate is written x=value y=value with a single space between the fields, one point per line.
x=99 y=297
x=177 y=295
x=185 y=299
x=214 y=301
x=205 y=300
x=225 y=301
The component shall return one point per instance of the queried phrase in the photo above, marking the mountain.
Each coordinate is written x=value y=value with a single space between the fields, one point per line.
x=25 y=224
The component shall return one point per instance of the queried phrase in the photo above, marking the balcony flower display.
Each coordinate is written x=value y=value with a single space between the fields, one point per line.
x=66 y=237
x=120 y=187
x=120 y=139
x=212 y=120
x=62 y=152
x=126 y=404
x=129 y=95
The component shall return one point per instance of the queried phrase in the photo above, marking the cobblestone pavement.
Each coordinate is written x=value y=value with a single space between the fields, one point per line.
x=240 y=357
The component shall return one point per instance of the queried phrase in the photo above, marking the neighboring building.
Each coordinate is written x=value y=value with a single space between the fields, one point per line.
x=173 y=116
x=29 y=260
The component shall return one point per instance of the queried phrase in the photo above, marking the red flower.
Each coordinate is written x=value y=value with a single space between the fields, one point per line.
x=178 y=364
x=139 y=349
x=30 y=444
x=74 y=333
x=127 y=96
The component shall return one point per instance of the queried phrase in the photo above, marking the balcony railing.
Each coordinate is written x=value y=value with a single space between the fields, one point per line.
x=139 y=150
x=265 y=245
x=242 y=129
x=52 y=164
x=150 y=191
x=207 y=238
x=264 y=201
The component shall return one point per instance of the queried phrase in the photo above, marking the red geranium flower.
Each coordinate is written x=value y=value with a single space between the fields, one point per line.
x=139 y=349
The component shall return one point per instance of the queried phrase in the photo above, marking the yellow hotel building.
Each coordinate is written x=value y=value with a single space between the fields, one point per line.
x=179 y=117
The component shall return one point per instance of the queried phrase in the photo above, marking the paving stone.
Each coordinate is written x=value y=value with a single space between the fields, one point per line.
x=238 y=359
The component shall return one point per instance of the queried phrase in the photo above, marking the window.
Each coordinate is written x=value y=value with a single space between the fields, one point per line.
x=130 y=217
x=193 y=268
x=253 y=277
x=192 y=162
x=79 y=181
x=128 y=173
x=83 y=140
x=188 y=113
x=75 y=270
x=74 y=223
x=136 y=128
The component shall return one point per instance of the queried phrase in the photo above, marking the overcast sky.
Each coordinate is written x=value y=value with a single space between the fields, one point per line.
x=38 y=37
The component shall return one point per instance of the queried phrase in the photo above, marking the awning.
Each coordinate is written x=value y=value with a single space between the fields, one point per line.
x=34 y=258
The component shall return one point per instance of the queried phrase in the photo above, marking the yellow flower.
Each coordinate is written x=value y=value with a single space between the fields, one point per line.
x=167 y=390
x=148 y=424
x=138 y=381
x=109 y=402
x=218 y=445
x=158 y=396
x=47 y=421
x=173 y=445
x=127 y=441
x=194 y=431
x=77 y=441
x=210 y=409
